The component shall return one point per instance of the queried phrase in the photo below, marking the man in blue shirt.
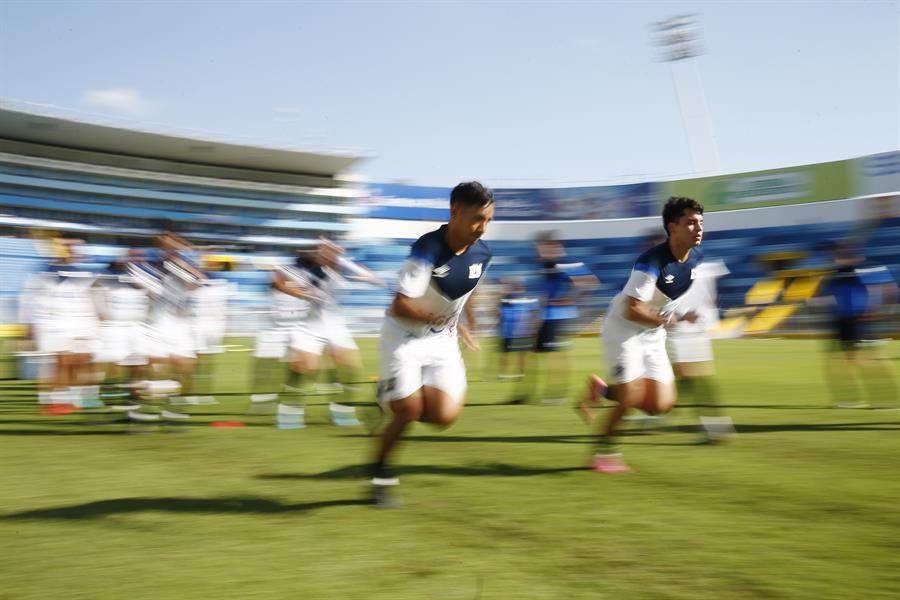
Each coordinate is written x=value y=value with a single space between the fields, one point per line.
x=634 y=331
x=562 y=281
x=855 y=296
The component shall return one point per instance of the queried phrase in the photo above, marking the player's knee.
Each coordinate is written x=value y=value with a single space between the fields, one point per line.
x=408 y=412
x=443 y=420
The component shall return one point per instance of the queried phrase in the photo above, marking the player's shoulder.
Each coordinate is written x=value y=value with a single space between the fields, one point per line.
x=480 y=250
x=653 y=260
x=697 y=255
x=430 y=246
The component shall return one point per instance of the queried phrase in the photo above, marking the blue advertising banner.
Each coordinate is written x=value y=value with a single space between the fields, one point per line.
x=394 y=201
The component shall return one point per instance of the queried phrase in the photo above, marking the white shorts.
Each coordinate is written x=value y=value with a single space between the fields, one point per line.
x=77 y=337
x=408 y=363
x=634 y=355
x=313 y=336
x=209 y=333
x=272 y=343
x=689 y=347
x=121 y=341
x=171 y=335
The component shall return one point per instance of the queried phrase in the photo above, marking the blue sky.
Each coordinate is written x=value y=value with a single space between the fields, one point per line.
x=527 y=94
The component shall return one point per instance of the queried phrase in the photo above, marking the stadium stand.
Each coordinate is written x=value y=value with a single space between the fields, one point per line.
x=250 y=208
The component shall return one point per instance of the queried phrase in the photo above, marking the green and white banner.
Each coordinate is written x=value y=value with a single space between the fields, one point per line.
x=793 y=185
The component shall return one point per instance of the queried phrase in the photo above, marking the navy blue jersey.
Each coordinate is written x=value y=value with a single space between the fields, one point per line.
x=439 y=280
x=659 y=280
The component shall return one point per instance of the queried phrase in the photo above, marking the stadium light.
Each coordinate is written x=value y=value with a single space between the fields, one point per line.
x=678 y=38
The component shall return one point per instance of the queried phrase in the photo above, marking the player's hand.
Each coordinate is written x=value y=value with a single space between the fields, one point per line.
x=690 y=317
x=467 y=338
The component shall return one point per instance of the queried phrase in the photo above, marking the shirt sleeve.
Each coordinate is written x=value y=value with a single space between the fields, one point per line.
x=415 y=275
x=641 y=284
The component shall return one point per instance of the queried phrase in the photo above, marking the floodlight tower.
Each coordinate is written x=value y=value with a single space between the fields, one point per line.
x=679 y=41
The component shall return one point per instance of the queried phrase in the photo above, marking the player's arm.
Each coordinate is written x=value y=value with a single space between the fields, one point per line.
x=639 y=290
x=412 y=283
x=357 y=272
x=465 y=331
x=405 y=307
x=281 y=283
x=640 y=312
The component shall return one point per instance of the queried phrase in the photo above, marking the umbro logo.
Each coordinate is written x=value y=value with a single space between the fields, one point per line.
x=670 y=278
x=441 y=271
x=475 y=271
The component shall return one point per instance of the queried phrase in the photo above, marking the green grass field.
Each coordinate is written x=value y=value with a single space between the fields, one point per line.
x=804 y=503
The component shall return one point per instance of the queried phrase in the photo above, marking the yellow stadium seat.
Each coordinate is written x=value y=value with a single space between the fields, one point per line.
x=769 y=318
x=802 y=289
x=765 y=291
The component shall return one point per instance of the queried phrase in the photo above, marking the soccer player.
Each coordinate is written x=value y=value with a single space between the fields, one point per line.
x=324 y=328
x=423 y=377
x=691 y=352
x=634 y=331
x=562 y=281
x=517 y=317
x=286 y=311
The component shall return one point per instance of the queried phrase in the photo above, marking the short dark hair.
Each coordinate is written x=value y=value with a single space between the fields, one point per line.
x=675 y=207
x=471 y=193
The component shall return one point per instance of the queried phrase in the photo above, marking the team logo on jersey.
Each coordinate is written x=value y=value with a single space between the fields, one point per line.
x=671 y=278
x=475 y=271
x=693 y=273
x=441 y=271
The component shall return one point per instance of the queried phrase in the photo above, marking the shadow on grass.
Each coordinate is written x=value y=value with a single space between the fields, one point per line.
x=510 y=439
x=489 y=470
x=233 y=505
x=64 y=432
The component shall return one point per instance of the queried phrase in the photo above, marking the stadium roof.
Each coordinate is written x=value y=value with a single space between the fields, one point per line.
x=48 y=130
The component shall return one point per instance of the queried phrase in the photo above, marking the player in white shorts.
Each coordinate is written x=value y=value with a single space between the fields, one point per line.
x=286 y=311
x=690 y=349
x=423 y=377
x=72 y=331
x=123 y=308
x=317 y=279
x=634 y=331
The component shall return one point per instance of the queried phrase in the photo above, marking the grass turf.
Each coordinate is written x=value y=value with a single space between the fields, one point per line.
x=803 y=504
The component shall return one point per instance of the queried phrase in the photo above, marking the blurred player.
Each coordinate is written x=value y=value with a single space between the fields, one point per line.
x=517 y=323
x=209 y=314
x=562 y=280
x=691 y=352
x=171 y=339
x=123 y=309
x=634 y=332
x=423 y=377
x=324 y=329
x=63 y=303
x=286 y=311
x=857 y=296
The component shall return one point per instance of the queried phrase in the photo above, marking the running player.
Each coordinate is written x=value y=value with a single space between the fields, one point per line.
x=634 y=331
x=325 y=329
x=423 y=377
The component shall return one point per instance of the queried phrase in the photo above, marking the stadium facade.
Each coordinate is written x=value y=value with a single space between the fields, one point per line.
x=112 y=186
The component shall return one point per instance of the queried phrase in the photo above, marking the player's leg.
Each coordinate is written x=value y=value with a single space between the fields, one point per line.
x=347 y=361
x=306 y=348
x=596 y=390
x=444 y=387
x=624 y=355
x=399 y=394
